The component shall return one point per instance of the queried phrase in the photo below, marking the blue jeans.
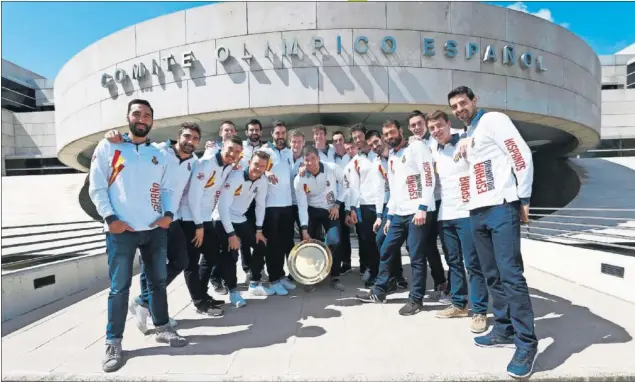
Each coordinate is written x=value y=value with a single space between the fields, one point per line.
x=121 y=250
x=401 y=229
x=177 y=261
x=456 y=236
x=396 y=267
x=318 y=220
x=496 y=232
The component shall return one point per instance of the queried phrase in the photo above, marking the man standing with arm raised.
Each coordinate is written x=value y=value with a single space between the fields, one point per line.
x=411 y=179
x=501 y=177
x=129 y=187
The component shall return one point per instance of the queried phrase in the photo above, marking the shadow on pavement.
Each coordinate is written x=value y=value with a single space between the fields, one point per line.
x=573 y=328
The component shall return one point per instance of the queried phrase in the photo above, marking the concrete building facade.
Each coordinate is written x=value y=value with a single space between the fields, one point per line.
x=331 y=63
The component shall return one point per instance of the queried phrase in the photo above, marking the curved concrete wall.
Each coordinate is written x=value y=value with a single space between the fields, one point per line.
x=258 y=81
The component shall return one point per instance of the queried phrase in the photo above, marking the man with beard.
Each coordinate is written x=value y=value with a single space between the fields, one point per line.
x=367 y=198
x=501 y=177
x=180 y=159
x=129 y=186
x=243 y=186
x=278 y=228
x=380 y=162
x=197 y=206
x=417 y=125
x=296 y=141
x=456 y=228
x=411 y=179
x=319 y=199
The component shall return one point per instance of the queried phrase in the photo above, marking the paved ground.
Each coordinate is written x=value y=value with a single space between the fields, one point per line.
x=328 y=335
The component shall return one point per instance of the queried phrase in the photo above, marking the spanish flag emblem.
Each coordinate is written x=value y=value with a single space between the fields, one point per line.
x=306 y=189
x=383 y=172
x=117 y=166
x=357 y=166
x=211 y=181
x=269 y=165
x=238 y=190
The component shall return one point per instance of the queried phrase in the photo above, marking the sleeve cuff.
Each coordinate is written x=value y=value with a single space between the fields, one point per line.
x=197 y=226
x=232 y=233
x=525 y=201
x=464 y=135
x=258 y=228
x=304 y=227
x=168 y=214
x=111 y=219
x=423 y=207
x=379 y=216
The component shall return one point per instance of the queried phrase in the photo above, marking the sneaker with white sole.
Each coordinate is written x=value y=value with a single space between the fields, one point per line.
x=113 y=360
x=287 y=284
x=236 y=299
x=279 y=289
x=141 y=315
x=257 y=289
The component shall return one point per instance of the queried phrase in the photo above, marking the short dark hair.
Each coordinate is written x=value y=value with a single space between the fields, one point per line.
x=437 y=114
x=310 y=149
x=253 y=122
x=349 y=141
x=340 y=133
x=190 y=126
x=461 y=90
x=261 y=154
x=138 y=101
x=416 y=113
x=372 y=133
x=319 y=127
x=296 y=133
x=227 y=123
x=236 y=140
x=358 y=127
x=278 y=123
x=391 y=122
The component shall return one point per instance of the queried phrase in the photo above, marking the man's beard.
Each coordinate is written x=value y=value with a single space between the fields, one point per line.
x=135 y=131
x=187 y=148
x=254 y=138
x=395 y=142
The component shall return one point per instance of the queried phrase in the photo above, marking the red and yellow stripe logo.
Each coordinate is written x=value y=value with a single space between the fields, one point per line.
x=117 y=166
x=383 y=172
x=357 y=166
x=211 y=180
x=307 y=190
x=238 y=190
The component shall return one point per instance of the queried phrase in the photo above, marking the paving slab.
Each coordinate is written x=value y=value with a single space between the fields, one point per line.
x=328 y=335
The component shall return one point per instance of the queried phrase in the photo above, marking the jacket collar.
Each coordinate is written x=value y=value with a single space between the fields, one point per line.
x=477 y=118
x=126 y=138
x=308 y=174
x=219 y=159
x=453 y=141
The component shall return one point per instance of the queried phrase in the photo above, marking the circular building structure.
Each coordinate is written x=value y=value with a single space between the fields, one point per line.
x=334 y=63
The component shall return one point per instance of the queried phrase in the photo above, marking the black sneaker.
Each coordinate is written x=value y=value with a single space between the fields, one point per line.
x=346 y=269
x=411 y=307
x=402 y=283
x=207 y=309
x=220 y=289
x=214 y=302
x=370 y=283
x=371 y=297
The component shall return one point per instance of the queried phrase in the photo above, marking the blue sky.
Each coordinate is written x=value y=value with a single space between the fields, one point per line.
x=42 y=36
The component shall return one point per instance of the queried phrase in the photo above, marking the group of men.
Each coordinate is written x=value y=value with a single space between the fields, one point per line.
x=469 y=186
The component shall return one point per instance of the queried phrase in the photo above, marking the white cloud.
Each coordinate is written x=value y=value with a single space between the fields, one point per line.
x=543 y=13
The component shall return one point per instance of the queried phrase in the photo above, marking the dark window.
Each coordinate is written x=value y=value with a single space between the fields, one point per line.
x=36 y=166
x=19 y=88
x=609 y=87
x=17 y=99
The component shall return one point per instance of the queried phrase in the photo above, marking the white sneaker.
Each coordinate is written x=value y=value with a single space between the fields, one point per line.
x=287 y=284
x=259 y=290
x=141 y=316
x=279 y=289
x=236 y=299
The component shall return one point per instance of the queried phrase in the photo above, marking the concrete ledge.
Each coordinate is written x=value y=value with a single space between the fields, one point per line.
x=582 y=266
x=71 y=276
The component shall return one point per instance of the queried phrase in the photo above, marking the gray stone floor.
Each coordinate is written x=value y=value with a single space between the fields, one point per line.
x=328 y=335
